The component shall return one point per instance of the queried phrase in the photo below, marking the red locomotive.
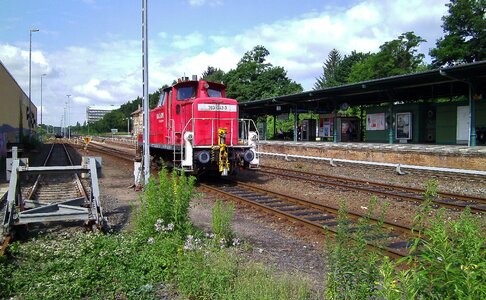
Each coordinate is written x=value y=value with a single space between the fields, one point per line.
x=196 y=128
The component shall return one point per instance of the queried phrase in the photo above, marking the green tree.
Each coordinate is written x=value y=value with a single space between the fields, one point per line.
x=213 y=74
x=396 y=57
x=465 y=34
x=329 y=75
x=254 y=78
x=344 y=69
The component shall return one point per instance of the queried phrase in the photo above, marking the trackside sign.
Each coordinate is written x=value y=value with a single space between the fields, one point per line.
x=216 y=107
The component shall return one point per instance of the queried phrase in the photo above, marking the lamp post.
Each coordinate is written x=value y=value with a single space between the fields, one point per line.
x=41 y=98
x=68 y=118
x=128 y=124
x=29 y=118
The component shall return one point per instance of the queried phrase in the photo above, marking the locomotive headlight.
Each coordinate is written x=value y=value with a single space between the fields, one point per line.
x=203 y=156
x=249 y=155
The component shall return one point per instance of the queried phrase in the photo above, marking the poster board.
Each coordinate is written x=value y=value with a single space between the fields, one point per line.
x=325 y=128
x=375 y=121
x=403 y=128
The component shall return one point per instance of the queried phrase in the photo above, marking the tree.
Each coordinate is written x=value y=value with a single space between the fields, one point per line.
x=396 y=57
x=213 y=74
x=328 y=77
x=344 y=68
x=254 y=78
x=465 y=34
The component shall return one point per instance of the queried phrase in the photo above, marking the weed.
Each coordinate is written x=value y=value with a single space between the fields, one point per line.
x=168 y=201
x=132 y=265
x=258 y=282
x=222 y=218
x=352 y=267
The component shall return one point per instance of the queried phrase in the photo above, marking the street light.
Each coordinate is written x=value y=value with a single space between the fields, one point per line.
x=29 y=119
x=41 y=97
x=68 y=118
x=128 y=124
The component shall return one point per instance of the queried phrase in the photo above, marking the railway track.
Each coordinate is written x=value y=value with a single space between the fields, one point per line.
x=388 y=237
x=449 y=200
x=60 y=187
x=125 y=154
x=57 y=194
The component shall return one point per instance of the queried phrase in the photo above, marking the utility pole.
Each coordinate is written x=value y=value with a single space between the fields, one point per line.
x=146 y=129
x=69 y=118
x=41 y=98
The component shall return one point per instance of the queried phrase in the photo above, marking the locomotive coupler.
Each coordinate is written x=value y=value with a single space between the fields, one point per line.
x=223 y=152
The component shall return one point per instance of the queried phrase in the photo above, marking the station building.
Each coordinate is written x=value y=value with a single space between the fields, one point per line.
x=18 y=115
x=97 y=112
x=445 y=106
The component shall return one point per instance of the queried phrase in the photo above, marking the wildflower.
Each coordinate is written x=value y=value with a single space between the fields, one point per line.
x=236 y=242
x=169 y=227
x=189 y=244
x=150 y=240
x=159 y=225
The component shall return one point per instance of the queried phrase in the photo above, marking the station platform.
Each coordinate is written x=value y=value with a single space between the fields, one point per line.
x=441 y=156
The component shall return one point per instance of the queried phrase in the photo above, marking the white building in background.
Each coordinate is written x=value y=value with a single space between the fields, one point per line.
x=96 y=112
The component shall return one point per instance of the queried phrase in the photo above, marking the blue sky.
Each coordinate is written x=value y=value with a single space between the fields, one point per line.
x=91 y=49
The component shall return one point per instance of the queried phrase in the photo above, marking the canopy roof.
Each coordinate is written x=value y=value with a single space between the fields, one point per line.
x=444 y=82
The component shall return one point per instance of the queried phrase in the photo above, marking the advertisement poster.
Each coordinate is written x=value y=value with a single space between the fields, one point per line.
x=403 y=130
x=325 y=126
x=375 y=121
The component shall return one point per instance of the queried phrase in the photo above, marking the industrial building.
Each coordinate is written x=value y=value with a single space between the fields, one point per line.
x=97 y=112
x=18 y=116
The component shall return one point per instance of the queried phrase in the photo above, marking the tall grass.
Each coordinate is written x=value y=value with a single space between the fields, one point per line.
x=222 y=219
x=163 y=249
x=352 y=267
x=166 y=201
x=448 y=260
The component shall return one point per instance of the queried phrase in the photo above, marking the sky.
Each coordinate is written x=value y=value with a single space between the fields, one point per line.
x=91 y=49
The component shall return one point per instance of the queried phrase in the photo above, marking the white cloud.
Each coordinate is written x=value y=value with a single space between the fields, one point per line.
x=301 y=44
x=192 y=40
x=92 y=89
x=109 y=72
x=203 y=2
x=81 y=100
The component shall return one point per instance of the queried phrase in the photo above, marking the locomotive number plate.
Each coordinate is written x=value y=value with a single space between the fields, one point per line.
x=216 y=107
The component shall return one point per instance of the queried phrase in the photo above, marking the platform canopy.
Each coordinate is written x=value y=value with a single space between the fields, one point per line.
x=438 y=83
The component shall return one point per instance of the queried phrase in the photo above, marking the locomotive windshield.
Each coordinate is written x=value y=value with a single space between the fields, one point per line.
x=186 y=92
x=162 y=98
x=215 y=93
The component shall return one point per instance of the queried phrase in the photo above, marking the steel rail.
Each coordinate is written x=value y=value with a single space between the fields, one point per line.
x=279 y=210
x=331 y=210
x=386 y=189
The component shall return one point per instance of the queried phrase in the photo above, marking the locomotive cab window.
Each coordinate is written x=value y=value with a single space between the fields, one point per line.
x=214 y=93
x=186 y=92
x=162 y=99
